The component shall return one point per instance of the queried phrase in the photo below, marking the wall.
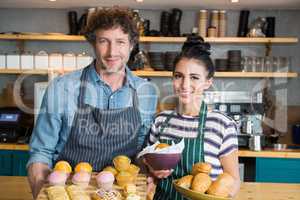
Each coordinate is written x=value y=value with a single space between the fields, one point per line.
x=55 y=20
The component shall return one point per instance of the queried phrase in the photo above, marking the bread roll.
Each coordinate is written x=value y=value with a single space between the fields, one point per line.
x=201 y=167
x=185 y=181
x=201 y=182
x=222 y=186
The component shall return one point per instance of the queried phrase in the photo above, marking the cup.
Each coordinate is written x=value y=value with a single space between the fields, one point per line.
x=268 y=64
x=260 y=64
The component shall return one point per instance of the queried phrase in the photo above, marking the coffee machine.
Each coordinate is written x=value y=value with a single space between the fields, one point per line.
x=245 y=108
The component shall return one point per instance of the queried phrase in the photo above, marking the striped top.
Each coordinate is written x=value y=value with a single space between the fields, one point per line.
x=220 y=134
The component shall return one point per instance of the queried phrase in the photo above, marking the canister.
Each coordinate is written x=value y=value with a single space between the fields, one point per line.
x=56 y=61
x=13 y=61
x=41 y=60
x=83 y=60
x=69 y=61
x=27 y=61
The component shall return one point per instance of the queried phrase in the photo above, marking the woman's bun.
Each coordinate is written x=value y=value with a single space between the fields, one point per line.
x=222 y=186
x=201 y=167
x=201 y=182
x=196 y=43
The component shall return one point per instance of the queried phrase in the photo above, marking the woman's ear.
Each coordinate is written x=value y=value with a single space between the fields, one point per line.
x=208 y=83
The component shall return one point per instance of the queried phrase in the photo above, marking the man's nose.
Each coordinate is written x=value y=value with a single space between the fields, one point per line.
x=112 y=49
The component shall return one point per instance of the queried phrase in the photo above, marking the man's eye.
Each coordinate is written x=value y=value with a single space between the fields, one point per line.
x=101 y=41
x=121 y=42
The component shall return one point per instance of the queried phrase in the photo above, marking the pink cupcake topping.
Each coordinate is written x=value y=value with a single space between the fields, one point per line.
x=105 y=176
x=57 y=177
x=81 y=176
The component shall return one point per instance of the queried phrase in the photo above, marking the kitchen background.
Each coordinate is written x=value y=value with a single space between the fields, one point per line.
x=287 y=95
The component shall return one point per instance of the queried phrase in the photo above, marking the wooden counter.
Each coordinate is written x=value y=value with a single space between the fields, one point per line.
x=242 y=153
x=17 y=188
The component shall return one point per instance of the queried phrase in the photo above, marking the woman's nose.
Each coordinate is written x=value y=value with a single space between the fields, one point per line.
x=185 y=83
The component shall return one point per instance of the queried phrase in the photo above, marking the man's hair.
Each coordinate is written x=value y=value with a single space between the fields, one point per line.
x=111 y=18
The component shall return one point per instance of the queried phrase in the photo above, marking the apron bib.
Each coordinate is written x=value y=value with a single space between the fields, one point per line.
x=193 y=152
x=98 y=135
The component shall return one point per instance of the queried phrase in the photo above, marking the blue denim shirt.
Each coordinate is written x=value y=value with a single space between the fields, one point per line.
x=59 y=104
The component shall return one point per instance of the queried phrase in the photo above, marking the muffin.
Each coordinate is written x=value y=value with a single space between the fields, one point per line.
x=57 y=178
x=121 y=163
x=185 y=181
x=105 y=180
x=111 y=169
x=134 y=170
x=133 y=197
x=162 y=145
x=201 y=167
x=83 y=166
x=63 y=166
x=124 y=178
x=129 y=188
x=201 y=182
x=81 y=178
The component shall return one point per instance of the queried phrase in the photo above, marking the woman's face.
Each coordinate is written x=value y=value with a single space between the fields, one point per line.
x=190 y=80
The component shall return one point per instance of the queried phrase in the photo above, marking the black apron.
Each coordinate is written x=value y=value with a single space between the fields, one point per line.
x=193 y=152
x=98 y=135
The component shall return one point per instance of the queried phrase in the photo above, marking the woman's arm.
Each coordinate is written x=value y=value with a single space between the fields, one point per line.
x=230 y=165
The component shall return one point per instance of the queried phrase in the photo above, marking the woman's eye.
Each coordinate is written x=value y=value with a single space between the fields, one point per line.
x=177 y=76
x=195 y=78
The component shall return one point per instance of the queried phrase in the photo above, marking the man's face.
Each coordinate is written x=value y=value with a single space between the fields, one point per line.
x=112 y=48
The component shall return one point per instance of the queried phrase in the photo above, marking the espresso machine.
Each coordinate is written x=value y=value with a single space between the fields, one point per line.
x=246 y=109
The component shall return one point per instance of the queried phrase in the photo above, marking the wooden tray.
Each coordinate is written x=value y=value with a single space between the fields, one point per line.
x=141 y=185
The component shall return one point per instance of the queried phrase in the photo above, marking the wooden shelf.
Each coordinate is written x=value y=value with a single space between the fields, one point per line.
x=169 y=74
x=62 y=37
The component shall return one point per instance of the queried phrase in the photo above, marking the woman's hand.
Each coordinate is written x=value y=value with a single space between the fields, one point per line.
x=158 y=173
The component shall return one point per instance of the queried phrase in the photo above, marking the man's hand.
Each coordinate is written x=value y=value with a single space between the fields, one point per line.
x=37 y=175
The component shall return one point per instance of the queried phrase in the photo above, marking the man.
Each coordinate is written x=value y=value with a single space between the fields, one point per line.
x=94 y=114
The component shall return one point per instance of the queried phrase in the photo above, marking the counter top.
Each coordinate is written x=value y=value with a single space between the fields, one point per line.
x=17 y=188
x=289 y=153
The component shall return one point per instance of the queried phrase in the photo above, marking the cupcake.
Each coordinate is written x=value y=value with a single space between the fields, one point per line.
x=124 y=178
x=105 y=180
x=134 y=170
x=111 y=169
x=121 y=163
x=81 y=178
x=57 y=178
x=63 y=166
x=129 y=188
x=83 y=166
x=133 y=197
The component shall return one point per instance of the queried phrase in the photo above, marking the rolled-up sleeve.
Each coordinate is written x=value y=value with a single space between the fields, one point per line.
x=147 y=95
x=45 y=135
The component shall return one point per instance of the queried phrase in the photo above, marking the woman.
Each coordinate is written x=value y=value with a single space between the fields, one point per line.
x=209 y=136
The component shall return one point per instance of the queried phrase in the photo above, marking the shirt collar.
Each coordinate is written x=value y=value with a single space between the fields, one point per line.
x=95 y=77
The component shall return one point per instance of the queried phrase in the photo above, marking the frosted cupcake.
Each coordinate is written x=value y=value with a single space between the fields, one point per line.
x=124 y=178
x=83 y=166
x=57 y=178
x=81 y=178
x=105 y=180
x=121 y=163
x=63 y=166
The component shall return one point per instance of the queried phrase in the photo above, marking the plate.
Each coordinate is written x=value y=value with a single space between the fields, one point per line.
x=190 y=194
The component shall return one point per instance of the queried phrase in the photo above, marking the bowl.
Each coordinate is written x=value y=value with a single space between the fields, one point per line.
x=162 y=161
x=190 y=194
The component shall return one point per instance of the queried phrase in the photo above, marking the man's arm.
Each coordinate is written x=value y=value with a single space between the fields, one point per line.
x=44 y=139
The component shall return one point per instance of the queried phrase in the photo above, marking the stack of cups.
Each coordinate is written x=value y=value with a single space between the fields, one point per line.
x=234 y=60
x=202 y=23
x=222 y=23
x=215 y=20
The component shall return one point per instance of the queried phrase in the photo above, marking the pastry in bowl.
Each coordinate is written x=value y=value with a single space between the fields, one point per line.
x=63 y=166
x=162 y=146
x=201 y=182
x=83 y=166
x=186 y=181
x=222 y=186
x=121 y=162
x=201 y=167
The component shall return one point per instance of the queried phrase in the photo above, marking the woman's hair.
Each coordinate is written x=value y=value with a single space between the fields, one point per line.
x=111 y=18
x=195 y=48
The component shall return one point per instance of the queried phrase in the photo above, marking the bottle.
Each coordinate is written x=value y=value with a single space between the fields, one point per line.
x=202 y=23
x=222 y=23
